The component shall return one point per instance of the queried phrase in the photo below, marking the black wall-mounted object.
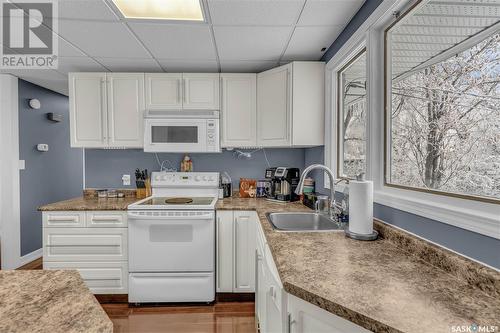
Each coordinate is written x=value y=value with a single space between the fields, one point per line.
x=55 y=117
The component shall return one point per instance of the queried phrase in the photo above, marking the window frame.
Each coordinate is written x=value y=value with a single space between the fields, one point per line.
x=340 y=115
x=476 y=216
x=388 y=123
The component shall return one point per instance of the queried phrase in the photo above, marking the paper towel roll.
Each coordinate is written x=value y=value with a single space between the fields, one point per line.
x=361 y=207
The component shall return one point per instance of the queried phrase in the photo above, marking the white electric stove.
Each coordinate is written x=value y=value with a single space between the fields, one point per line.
x=172 y=239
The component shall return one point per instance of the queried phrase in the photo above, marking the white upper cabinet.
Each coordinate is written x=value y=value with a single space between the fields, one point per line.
x=201 y=91
x=239 y=110
x=88 y=110
x=273 y=118
x=106 y=109
x=290 y=105
x=177 y=91
x=163 y=91
x=125 y=109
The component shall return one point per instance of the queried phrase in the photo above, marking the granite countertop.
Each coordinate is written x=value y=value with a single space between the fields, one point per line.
x=49 y=301
x=398 y=283
x=90 y=203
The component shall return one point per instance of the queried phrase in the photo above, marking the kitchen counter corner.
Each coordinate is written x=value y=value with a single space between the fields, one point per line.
x=49 y=301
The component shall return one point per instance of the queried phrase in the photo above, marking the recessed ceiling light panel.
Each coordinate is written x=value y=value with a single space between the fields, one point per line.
x=182 y=10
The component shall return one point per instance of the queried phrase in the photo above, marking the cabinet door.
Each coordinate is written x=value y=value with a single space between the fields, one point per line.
x=224 y=240
x=201 y=91
x=85 y=244
x=87 y=110
x=125 y=109
x=273 y=107
x=100 y=277
x=106 y=219
x=261 y=287
x=163 y=91
x=63 y=219
x=244 y=251
x=306 y=317
x=239 y=110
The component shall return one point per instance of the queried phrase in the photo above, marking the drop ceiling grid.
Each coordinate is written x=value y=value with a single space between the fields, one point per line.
x=84 y=23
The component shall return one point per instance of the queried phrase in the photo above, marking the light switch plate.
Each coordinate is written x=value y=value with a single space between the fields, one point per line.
x=22 y=164
x=126 y=180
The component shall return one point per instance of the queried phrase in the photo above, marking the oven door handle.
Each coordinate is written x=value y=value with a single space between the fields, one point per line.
x=170 y=216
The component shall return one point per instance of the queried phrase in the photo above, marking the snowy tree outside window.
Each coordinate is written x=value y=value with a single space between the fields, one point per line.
x=352 y=117
x=444 y=125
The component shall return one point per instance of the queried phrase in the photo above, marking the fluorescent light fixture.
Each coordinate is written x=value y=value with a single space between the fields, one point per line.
x=186 y=10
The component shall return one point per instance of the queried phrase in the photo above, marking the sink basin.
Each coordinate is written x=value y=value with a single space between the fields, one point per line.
x=305 y=222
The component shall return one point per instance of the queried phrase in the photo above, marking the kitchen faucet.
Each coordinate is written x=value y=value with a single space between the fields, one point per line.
x=300 y=186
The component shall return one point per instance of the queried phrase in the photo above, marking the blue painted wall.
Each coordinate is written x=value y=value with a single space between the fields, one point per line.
x=104 y=168
x=363 y=13
x=51 y=176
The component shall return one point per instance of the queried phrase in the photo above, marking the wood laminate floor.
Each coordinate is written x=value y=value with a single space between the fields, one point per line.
x=234 y=317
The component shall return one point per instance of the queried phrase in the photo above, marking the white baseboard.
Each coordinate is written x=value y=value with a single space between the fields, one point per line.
x=27 y=258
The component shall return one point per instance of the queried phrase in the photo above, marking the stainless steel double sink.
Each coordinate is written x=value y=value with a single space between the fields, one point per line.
x=302 y=222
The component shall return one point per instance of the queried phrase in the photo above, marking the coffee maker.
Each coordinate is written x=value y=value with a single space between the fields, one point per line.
x=283 y=182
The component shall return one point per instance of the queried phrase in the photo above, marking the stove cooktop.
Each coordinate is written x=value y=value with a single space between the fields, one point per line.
x=177 y=201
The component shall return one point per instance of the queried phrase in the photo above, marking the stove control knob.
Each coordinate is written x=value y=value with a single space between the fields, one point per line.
x=197 y=178
x=157 y=177
x=205 y=178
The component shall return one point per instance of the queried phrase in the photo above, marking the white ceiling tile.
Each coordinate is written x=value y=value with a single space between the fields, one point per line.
x=46 y=78
x=251 y=43
x=176 y=66
x=307 y=42
x=254 y=12
x=102 y=39
x=329 y=12
x=130 y=64
x=234 y=66
x=86 y=10
x=176 y=41
x=73 y=64
x=68 y=50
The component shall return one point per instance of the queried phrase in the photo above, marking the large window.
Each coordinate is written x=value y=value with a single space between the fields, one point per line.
x=351 y=150
x=443 y=112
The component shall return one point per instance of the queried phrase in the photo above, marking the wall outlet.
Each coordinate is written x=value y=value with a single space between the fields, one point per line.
x=126 y=180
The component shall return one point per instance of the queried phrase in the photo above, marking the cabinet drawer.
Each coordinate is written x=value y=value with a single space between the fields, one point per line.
x=106 y=219
x=63 y=219
x=100 y=277
x=84 y=244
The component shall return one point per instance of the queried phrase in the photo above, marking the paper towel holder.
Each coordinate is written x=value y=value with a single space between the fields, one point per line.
x=354 y=235
x=370 y=237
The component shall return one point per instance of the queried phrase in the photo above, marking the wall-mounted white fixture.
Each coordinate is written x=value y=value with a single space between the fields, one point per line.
x=43 y=147
x=126 y=180
x=35 y=104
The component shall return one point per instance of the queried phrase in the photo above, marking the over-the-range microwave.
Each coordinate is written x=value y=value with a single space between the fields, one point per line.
x=181 y=131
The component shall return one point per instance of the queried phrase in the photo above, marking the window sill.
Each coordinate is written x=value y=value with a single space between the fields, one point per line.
x=483 y=219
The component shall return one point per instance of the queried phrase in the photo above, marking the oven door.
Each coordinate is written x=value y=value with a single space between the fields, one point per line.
x=175 y=135
x=171 y=241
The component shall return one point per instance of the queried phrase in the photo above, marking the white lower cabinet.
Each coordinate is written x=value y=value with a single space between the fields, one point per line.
x=236 y=251
x=93 y=242
x=100 y=277
x=306 y=317
x=279 y=312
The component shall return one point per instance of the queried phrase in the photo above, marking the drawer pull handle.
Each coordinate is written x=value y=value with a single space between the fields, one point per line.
x=106 y=218
x=63 y=218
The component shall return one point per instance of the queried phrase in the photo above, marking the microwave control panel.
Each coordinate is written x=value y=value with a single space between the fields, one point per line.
x=213 y=135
